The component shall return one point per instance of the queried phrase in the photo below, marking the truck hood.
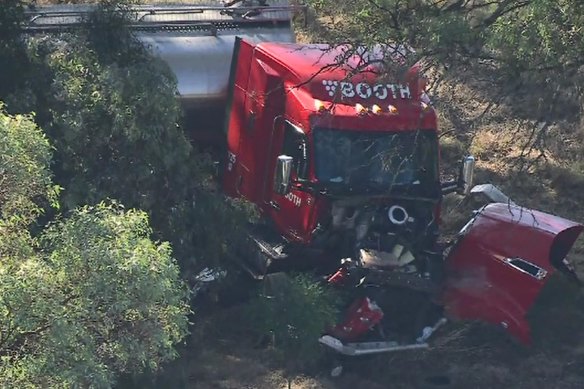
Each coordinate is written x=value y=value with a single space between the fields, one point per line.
x=504 y=257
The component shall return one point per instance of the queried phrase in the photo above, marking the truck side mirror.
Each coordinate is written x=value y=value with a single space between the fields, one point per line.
x=282 y=175
x=466 y=177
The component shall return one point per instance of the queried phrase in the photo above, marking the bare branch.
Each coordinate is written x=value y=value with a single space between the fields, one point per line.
x=504 y=8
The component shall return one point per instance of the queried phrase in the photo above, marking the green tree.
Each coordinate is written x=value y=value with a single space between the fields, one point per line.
x=25 y=175
x=90 y=297
x=534 y=32
x=110 y=110
x=13 y=59
x=25 y=182
x=294 y=312
x=117 y=136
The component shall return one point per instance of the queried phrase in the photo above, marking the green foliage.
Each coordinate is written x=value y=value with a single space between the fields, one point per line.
x=110 y=110
x=113 y=136
x=12 y=53
x=543 y=34
x=295 y=312
x=25 y=182
x=92 y=295
x=107 y=33
x=419 y=24
x=98 y=299
x=517 y=37
x=25 y=155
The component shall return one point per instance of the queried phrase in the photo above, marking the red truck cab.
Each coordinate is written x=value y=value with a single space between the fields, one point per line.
x=352 y=140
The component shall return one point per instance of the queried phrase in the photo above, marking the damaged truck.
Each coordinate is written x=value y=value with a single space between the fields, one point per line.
x=341 y=156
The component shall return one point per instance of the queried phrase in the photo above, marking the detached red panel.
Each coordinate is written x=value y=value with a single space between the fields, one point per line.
x=500 y=265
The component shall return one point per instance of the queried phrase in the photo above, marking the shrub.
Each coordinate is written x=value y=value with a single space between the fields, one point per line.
x=295 y=312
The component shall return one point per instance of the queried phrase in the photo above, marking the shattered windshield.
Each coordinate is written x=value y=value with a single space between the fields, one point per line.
x=377 y=161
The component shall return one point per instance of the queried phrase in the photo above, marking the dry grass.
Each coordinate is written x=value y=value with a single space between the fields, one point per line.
x=493 y=144
x=501 y=142
x=479 y=356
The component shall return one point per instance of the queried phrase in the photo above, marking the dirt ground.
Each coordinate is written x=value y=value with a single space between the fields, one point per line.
x=461 y=356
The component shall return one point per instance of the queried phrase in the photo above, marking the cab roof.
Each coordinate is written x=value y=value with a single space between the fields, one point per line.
x=344 y=75
x=318 y=61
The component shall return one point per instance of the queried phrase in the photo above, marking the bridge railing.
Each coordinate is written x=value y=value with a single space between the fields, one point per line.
x=59 y=18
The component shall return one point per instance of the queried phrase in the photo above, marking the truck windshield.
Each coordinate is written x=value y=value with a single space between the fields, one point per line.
x=377 y=161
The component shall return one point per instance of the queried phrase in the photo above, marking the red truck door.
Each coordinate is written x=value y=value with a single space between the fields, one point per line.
x=256 y=135
x=292 y=212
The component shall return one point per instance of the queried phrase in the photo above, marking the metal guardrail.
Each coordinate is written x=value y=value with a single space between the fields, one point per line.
x=59 y=18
